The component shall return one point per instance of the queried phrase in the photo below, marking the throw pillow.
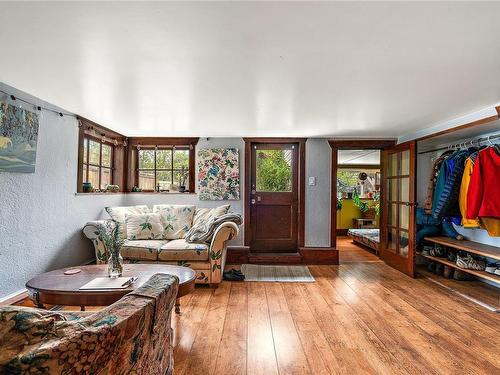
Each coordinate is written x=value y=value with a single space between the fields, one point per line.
x=176 y=219
x=119 y=213
x=144 y=227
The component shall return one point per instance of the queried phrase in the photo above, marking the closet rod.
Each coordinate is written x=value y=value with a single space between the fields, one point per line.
x=477 y=141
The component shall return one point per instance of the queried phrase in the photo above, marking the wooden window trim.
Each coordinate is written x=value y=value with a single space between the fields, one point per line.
x=150 y=143
x=100 y=166
x=91 y=130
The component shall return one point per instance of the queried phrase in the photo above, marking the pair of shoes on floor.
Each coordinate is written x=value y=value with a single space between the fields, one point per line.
x=493 y=268
x=438 y=251
x=233 y=275
x=468 y=262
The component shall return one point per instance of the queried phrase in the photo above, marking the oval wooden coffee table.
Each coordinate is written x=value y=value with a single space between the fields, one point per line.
x=56 y=288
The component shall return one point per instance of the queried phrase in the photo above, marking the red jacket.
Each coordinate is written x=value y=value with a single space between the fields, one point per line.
x=483 y=196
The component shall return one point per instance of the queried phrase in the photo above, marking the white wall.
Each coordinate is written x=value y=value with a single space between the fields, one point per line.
x=317 y=205
x=41 y=218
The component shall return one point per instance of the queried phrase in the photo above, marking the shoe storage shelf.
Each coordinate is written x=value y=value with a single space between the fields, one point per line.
x=471 y=247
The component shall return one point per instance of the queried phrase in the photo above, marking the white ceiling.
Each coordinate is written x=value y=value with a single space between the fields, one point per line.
x=256 y=69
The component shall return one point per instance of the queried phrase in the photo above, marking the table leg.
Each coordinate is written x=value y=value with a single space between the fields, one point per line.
x=177 y=306
x=40 y=305
x=82 y=308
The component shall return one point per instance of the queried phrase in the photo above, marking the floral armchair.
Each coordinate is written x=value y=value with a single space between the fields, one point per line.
x=132 y=336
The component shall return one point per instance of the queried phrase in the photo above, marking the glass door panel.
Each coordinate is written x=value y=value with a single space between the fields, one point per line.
x=397 y=231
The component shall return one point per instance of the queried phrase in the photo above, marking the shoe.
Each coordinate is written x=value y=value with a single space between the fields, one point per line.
x=462 y=276
x=448 y=272
x=426 y=250
x=497 y=271
x=439 y=269
x=491 y=267
x=452 y=256
x=233 y=275
x=438 y=251
x=468 y=262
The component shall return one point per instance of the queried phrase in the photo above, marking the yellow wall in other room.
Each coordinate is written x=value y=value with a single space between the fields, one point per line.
x=348 y=212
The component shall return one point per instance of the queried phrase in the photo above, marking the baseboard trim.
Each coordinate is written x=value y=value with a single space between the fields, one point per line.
x=237 y=254
x=319 y=255
x=305 y=255
x=14 y=297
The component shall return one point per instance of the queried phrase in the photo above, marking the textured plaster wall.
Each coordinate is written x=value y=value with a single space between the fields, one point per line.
x=41 y=218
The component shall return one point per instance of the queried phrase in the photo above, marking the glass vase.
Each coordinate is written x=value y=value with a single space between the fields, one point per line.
x=115 y=265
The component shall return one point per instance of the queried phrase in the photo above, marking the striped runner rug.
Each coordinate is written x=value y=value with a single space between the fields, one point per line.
x=282 y=274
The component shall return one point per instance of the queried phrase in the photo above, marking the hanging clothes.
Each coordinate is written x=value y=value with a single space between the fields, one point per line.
x=433 y=179
x=464 y=187
x=483 y=195
x=446 y=202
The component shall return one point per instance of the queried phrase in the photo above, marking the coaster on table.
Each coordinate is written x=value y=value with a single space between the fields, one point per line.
x=72 y=271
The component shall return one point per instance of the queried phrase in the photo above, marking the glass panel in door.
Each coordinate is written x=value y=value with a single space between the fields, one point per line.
x=397 y=233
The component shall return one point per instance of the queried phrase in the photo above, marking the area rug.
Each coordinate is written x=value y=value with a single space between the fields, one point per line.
x=282 y=274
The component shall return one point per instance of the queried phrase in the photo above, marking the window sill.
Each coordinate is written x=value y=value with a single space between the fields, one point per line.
x=137 y=192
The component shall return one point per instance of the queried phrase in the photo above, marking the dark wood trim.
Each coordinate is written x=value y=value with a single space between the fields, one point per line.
x=319 y=255
x=479 y=122
x=150 y=143
x=79 y=177
x=274 y=140
x=361 y=144
x=333 y=198
x=498 y=110
x=358 y=166
x=274 y=258
x=15 y=299
x=301 y=184
x=348 y=144
x=163 y=141
x=237 y=254
x=102 y=130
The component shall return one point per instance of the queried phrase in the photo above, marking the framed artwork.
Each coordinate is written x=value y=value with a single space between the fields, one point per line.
x=218 y=174
x=18 y=139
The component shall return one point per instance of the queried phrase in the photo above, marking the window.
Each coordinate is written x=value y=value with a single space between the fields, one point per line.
x=97 y=163
x=163 y=169
x=274 y=170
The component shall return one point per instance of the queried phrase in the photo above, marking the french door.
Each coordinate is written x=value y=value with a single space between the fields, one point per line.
x=397 y=234
x=274 y=196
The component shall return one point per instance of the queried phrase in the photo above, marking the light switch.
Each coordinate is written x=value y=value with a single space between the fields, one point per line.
x=312 y=181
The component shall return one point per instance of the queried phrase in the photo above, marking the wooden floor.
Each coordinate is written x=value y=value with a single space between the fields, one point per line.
x=361 y=317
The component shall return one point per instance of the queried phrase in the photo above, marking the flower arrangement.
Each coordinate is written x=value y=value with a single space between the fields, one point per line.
x=113 y=241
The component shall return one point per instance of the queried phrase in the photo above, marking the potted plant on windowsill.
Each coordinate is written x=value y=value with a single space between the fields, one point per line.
x=183 y=177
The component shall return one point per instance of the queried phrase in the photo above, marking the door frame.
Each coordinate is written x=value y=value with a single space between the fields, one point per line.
x=301 y=152
x=337 y=144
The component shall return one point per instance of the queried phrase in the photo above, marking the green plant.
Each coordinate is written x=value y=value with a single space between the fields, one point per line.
x=273 y=171
x=376 y=199
x=362 y=205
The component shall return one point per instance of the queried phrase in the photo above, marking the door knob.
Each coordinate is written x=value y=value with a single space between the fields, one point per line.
x=253 y=201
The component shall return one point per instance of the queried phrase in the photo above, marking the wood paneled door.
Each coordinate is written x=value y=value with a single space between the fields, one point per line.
x=274 y=197
x=397 y=240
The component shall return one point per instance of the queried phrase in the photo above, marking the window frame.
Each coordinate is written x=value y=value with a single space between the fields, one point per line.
x=86 y=162
x=172 y=170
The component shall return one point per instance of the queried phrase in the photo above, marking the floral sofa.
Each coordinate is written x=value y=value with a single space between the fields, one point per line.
x=162 y=241
x=132 y=336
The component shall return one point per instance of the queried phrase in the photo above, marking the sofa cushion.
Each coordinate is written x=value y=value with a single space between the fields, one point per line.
x=176 y=219
x=141 y=249
x=182 y=250
x=144 y=227
x=119 y=213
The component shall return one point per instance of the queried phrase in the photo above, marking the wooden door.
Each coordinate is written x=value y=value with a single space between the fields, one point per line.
x=274 y=197
x=397 y=234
